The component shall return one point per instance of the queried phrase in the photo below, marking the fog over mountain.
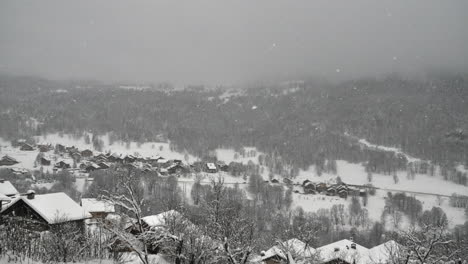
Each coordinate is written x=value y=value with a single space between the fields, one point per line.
x=213 y=41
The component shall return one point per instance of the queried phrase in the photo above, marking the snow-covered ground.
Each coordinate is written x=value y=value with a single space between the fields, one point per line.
x=352 y=173
x=146 y=149
x=230 y=155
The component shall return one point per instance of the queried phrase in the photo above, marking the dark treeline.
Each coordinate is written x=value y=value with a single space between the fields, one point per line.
x=426 y=118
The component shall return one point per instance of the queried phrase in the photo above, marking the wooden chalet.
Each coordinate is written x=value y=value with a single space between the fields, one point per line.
x=287 y=181
x=331 y=191
x=176 y=168
x=86 y=153
x=274 y=181
x=26 y=147
x=309 y=188
x=210 y=167
x=60 y=148
x=129 y=159
x=44 y=147
x=8 y=161
x=343 y=252
x=45 y=161
x=92 y=167
x=62 y=165
x=222 y=166
x=43 y=212
x=295 y=249
x=99 y=209
x=104 y=165
x=321 y=187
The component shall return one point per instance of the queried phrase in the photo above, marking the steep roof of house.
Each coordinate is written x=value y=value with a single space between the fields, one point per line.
x=342 y=250
x=93 y=205
x=53 y=207
x=296 y=246
x=6 y=157
x=6 y=188
x=384 y=253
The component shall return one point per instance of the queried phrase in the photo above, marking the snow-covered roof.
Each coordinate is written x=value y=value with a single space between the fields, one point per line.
x=211 y=166
x=273 y=251
x=160 y=219
x=6 y=157
x=295 y=246
x=161 y=161
x=384 y=253
x=299 y=247
x=343 y=250
x=93 y=205
x=93 y=165
x=54 y=207
x=4 y=198
x=6 y=188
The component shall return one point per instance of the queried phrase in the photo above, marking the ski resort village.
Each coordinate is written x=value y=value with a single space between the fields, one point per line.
x=84 y=198
x=233 y=132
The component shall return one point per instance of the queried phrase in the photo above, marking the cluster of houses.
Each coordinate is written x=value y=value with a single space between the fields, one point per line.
x=86 y=161
x=340 y=189
x=42 y=211
x=345 y=251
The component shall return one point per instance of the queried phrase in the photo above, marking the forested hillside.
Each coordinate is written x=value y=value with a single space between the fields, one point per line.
x=305 y=125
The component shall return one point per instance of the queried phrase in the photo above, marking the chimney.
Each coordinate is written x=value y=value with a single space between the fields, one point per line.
x=30 y=194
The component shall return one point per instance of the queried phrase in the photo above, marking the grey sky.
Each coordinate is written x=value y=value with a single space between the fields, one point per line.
x=229 y=41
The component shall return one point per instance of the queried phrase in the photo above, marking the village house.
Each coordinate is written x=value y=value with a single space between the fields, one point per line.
x=292 y=248
x=44 y=147
x=99 y=209
x=343 y=252
x=19 y=171
x=222 y=166
x=309 y=188
x=26 y=147
x=115 y=158
x=92 y=167
x=45 y=161
x=129 y=159
x=43 y=211
x=7 y=189
x=321 y=187
x=100 y=158
x=287 y=181
x=331 y=191
x=8 y=161
x=176 y=168
x=86 y=153
x=210 y=167
x=62 y=165
x=104 y=165
x=75 y=155
x=59 y=148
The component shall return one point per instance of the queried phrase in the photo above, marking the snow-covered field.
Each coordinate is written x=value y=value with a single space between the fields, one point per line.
x=349 y=173
x=229 y=155
x=352 y=173
x=146 y=149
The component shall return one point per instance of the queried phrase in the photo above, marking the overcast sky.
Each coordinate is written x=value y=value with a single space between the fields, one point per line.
x=230 y=41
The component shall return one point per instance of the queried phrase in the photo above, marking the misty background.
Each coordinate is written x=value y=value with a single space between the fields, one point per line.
x=226 y=42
